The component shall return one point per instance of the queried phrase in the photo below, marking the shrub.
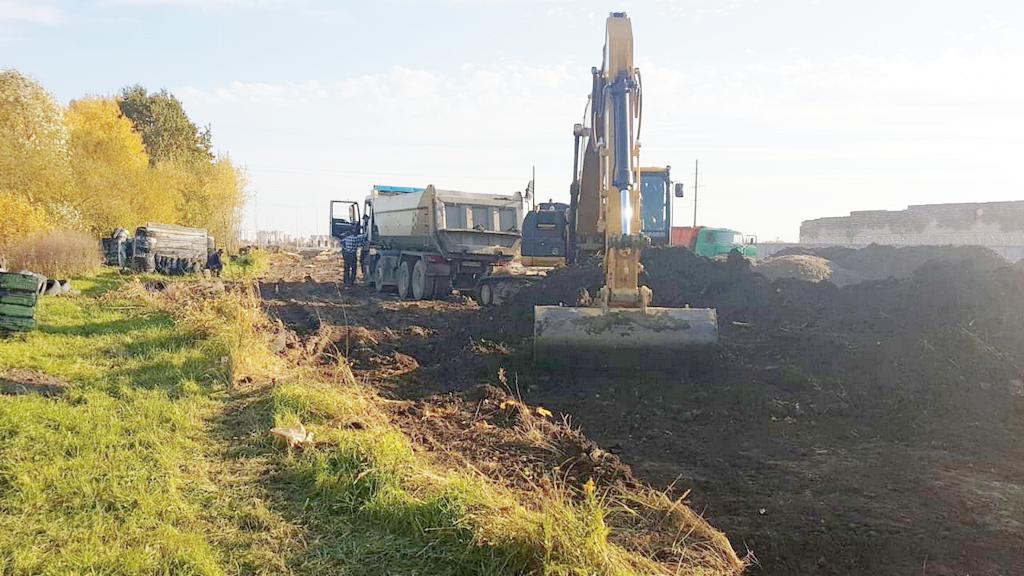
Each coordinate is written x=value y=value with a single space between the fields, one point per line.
x=57 y=254
x=247 y=267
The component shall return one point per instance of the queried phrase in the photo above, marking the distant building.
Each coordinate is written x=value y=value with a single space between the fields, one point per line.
x=997 y=225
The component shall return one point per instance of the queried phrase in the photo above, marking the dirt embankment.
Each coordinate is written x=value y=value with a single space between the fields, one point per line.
x=451 y=395
x=872 y=428
x=844 y=266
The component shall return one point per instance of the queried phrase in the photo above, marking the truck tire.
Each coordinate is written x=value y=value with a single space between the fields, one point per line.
x=405 y=277
x=502 y=292
x=378 y=276
x=423 y=287
x=486 y=296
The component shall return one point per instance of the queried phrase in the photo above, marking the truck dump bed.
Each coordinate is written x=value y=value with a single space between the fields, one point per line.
x=448 y=221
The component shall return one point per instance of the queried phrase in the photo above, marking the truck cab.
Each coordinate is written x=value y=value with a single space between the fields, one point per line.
x=544 y=232
x=344 y=218
x=712 y=242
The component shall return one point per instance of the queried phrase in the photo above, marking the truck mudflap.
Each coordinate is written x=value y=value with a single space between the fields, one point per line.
x=621 y=337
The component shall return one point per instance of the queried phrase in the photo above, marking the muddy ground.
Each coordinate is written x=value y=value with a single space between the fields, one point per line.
x=869 y=430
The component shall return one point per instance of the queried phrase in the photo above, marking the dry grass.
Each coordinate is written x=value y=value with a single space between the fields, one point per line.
x=58 y=254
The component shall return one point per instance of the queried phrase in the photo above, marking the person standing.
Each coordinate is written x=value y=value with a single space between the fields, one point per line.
x=121 y=242
x=215 y=262
x=350 y=246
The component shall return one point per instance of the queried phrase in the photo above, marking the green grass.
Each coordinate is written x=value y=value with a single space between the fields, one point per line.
x=157 y=460
x=108 y=477
x=247 y=267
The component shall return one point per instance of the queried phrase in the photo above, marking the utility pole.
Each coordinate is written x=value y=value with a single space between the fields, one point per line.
x=696 y=170
x=533 y=185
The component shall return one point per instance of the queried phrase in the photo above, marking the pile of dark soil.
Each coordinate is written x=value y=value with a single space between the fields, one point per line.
x=877 y=262
x=677 y=277
x=944 y=345
x=872 y=428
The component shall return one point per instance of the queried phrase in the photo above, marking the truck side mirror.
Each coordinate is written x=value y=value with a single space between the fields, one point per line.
x=679 y=189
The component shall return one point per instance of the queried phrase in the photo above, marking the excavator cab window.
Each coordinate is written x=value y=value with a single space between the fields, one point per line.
x=654 y=202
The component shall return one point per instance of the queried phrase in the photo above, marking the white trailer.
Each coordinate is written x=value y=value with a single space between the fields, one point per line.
x=426 y=242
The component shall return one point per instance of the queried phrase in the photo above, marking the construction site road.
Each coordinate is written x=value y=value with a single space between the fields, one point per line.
x=873 y=429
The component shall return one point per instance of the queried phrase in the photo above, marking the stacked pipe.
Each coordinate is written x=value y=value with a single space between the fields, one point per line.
x=170 y=249
x=19 y=294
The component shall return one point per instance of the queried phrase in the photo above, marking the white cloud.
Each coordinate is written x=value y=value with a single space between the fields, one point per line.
x=30 y=12
x=778 y=142
x=204 y=4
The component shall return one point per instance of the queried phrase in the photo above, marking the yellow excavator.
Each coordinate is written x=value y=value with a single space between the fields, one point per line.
x=619 y=327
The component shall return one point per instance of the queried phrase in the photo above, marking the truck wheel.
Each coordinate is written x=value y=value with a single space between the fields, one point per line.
x=423 y=287
x=486 y=294
x=503 y=292
x=404 y=277
x=378 y=276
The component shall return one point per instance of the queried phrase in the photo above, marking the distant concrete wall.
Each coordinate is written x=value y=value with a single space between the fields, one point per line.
x=993 y=224
x=1011 y=253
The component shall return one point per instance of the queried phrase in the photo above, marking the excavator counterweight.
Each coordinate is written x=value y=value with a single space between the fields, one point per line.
x=620 y=327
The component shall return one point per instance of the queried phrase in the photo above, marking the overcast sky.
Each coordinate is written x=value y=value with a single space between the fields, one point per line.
x=796 y=109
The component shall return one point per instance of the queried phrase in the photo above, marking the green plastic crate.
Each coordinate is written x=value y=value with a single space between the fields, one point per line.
x=16 y=311
x=17 y=324
x=18 y=282
x=19 y=298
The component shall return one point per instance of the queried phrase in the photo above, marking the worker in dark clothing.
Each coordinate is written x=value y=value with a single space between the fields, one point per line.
x=215 y=262
x=350 y=246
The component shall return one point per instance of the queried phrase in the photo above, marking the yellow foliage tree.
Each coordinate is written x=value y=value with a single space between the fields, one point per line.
x=88 y=168
x=211 y=196
x=113 y=184
x=34 y=159
x=21 y=219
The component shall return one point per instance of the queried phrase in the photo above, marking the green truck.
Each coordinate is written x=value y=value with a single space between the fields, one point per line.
x=711 y=242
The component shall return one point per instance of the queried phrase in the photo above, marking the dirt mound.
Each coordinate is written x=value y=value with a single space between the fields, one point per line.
x=19 y=381
x=513 y=320
x=800 y=266
x=912 y=346
x=806 y=267
x=877 y=262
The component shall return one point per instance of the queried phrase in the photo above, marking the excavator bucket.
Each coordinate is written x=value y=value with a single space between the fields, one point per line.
x=621 y=337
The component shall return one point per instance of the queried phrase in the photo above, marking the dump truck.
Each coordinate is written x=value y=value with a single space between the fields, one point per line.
x=712 y=242
x=170 y=249
x=426 y=242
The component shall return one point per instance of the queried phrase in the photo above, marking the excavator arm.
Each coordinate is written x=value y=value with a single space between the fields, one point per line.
x=620 y=327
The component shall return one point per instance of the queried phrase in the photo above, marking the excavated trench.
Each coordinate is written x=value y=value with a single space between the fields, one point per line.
x=872 y=429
